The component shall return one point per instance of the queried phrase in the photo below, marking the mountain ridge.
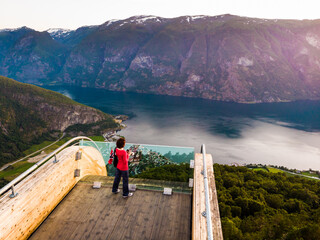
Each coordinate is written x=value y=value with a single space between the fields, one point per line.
x=225 y=57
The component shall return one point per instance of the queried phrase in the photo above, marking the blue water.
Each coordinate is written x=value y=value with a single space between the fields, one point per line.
x=284 y=134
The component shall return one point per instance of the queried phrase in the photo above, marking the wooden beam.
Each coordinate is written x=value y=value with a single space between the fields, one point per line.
x=41 y=191
x=199 y=223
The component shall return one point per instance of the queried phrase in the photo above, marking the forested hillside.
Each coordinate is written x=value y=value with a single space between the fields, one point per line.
x=259 y=205
x=30 y=115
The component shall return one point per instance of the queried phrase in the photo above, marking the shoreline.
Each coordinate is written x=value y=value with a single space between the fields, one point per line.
x=111 y=135
x=251 y=102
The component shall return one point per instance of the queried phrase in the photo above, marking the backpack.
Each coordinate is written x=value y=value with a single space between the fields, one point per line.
x=115 y=158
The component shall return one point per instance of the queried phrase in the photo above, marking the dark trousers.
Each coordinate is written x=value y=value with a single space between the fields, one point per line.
x=125 y=181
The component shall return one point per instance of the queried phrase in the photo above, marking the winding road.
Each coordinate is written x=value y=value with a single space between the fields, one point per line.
x=21 y=159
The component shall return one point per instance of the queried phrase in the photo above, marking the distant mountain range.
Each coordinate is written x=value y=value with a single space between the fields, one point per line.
x=30 y=115
x=225 y=57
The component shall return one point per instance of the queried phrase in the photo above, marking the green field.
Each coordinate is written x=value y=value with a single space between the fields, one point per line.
x=309 y=174
x=289 y=174
x=15 y=170
x=97 y=138
x=37 y=147
x=259 y=169
x=274 y=170
x=48 y=150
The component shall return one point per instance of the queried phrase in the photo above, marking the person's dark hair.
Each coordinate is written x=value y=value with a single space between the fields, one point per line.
x=121 y=142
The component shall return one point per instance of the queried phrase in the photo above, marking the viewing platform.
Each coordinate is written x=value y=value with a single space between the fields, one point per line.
x=55 y=199
x=87 y=213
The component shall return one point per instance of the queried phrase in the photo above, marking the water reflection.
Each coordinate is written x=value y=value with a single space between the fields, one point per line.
x=279 y=133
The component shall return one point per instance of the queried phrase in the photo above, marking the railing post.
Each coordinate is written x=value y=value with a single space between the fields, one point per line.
x=206 y=191
x=31 y=169
x=55 y=159
x=13 y=194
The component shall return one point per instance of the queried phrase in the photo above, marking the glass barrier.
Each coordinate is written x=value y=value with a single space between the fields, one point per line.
x=144 y=156
x=142 y=184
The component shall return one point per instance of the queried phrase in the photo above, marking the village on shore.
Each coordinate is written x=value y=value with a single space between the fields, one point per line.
x=113 y=135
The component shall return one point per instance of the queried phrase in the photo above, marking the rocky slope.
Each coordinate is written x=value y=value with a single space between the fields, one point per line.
x=224 y=57
x=30 y=114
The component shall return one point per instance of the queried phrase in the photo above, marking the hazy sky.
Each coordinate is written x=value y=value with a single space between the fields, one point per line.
x=44 y=14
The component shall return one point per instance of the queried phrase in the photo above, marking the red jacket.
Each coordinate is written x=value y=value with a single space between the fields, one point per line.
x=123 y=159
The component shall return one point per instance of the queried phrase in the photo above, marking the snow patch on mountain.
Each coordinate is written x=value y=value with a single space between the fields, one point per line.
x=197 y=17
x=9 y=29
x=313 y=40
x=59 y=32
x=304 y=51
x=110 y=22
x=122 y=24
x=142 y=19
x=14 y=29
x=138 y=20
x=245 y=62
x=193 y=18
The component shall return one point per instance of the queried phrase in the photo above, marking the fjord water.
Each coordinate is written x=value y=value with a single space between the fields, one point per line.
x=282 y=134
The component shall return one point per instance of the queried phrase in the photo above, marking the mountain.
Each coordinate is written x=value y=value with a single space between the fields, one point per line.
x=225 y=57
x=70 y=38
x=30 y=115
x=26 y=55
x=59 y=33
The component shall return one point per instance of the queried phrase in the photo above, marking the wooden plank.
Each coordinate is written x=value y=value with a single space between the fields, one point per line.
x=214 y=205
x=106 y=220
x=146 y=215
x=143 y=217
x=185 y=227
x=94 y=208
x=66 y=215
x=175 y=217
x=199 y=223
x=160 y=229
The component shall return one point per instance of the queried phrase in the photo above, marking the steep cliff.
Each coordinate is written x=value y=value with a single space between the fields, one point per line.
x=224 y=57
x=30 y=114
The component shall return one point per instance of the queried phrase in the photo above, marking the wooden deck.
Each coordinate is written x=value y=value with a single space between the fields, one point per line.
x=40 y=192
x=88 y=213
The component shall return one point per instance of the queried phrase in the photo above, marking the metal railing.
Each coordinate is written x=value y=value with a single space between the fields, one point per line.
x=38 y=164
x=206 y=190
